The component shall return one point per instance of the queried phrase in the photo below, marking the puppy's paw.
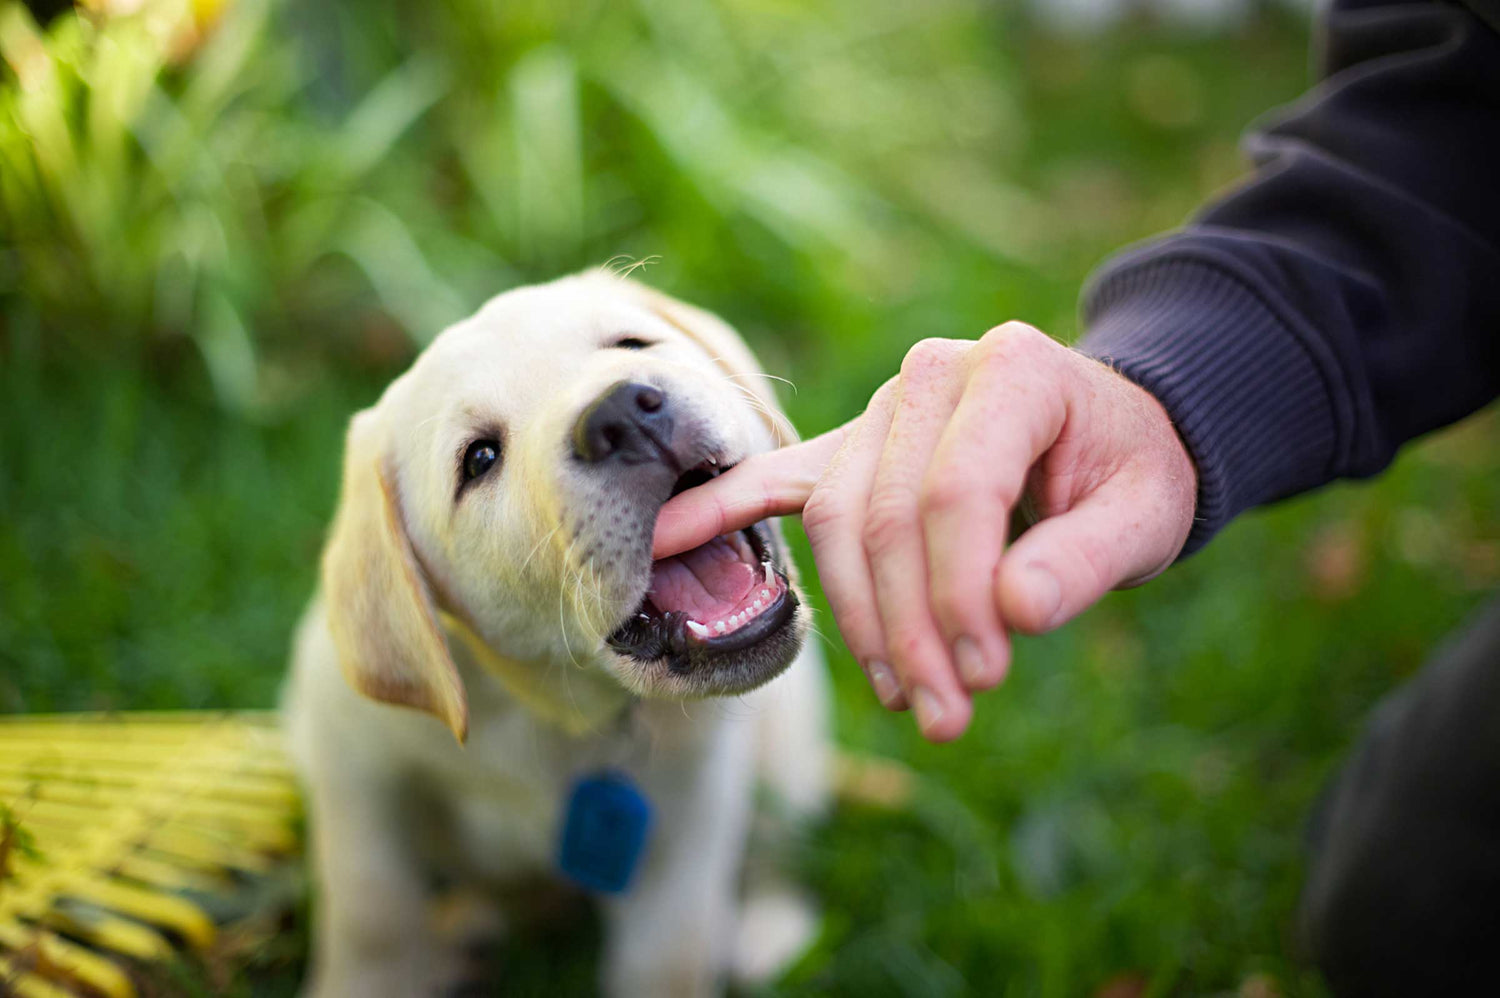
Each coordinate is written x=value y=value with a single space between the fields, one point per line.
x=778 y=923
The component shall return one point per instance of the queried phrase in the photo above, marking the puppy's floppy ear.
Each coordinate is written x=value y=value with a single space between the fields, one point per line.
x=380 y=609
x=722 y=343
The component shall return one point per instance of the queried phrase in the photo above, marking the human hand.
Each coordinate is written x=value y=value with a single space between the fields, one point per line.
x=907 y=508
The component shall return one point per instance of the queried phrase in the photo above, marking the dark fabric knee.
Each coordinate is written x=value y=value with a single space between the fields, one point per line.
x=1405 y=845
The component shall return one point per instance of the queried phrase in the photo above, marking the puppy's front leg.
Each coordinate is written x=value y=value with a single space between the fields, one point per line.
x=670 y=936
x=372 y=936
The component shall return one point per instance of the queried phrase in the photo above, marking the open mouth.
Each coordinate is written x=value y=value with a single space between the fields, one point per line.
x=723 y=596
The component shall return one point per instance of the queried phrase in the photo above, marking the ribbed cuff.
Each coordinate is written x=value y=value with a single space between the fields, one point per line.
x=1245 y=393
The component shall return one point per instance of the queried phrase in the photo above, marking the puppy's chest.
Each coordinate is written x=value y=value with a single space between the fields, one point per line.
x=509 y=802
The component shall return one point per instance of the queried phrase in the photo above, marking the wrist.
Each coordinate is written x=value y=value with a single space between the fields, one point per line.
x=1231 y=369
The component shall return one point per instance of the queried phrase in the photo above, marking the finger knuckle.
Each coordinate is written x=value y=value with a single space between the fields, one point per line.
x=908 y=648
x=1014 y=343
x=822 y=512
x=945 y=491
x=859 y=627
x=1007 y=491
x=884 y=398
x=950 y=491
x=956 y=609
x=885 y=530
x=929 y=356
x=1016 y=332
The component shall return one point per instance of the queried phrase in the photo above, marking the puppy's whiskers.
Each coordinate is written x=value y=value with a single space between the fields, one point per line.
x=436 y=415
x=738 y=708
x=761 y=374
x=562 y=616
x=537 y=547
x=592 y=588
x=568 y=688
x=623 y=264
x=578 y=590
x=818 y=632
x=581 y=593
x=781 y=425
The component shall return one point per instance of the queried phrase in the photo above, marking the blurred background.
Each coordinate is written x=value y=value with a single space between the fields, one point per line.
x=226 y=224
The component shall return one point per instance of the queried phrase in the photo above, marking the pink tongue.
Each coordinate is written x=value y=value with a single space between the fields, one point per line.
x=707 y=583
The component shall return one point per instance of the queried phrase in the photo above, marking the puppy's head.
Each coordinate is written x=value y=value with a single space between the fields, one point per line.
x=511 y=480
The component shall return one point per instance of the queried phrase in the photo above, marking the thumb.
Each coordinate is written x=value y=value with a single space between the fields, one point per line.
x=1114 y=538
x=772 y=484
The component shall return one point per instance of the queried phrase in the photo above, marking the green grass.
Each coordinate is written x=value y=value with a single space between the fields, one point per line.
x=839 y=180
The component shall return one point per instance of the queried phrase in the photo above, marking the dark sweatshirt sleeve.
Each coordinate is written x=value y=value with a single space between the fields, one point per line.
x=1346 y=298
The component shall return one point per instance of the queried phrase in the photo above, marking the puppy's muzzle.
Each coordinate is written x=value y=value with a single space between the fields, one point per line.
x=716 y=620
x=629 y=423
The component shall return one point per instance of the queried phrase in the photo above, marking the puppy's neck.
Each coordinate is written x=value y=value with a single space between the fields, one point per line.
x=575 y=701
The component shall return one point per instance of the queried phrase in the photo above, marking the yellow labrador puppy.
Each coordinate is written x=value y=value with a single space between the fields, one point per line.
x=492 y=683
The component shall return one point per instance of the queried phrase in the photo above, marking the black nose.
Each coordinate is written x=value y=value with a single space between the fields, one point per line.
x=629 y=421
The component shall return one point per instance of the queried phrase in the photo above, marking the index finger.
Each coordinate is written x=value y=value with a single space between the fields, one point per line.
x=772 y=484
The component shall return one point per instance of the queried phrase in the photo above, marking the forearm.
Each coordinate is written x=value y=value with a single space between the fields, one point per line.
x=1347 y=298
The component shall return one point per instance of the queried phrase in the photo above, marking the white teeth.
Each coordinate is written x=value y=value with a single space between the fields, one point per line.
x=719 y=627
x=764 y=594
x=766 y=567
x=699 y=629
x=758 y=605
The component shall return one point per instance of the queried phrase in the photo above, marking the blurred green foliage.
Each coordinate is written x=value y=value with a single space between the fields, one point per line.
x=224 y=228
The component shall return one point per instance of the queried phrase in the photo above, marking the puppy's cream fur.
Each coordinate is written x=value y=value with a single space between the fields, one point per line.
x=451 y=679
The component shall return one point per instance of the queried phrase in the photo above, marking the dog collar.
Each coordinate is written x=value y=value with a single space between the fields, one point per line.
x=575 y=702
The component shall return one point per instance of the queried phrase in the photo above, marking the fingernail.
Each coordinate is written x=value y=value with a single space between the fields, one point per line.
x=970 y=661
x=1046 y=595
x=929 y=710
x=887 y=690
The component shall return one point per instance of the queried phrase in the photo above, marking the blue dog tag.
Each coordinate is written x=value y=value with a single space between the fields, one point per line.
x=604 y=833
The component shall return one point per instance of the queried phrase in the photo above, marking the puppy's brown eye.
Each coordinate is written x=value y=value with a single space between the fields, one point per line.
x=631 y=343
x=480 y=457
